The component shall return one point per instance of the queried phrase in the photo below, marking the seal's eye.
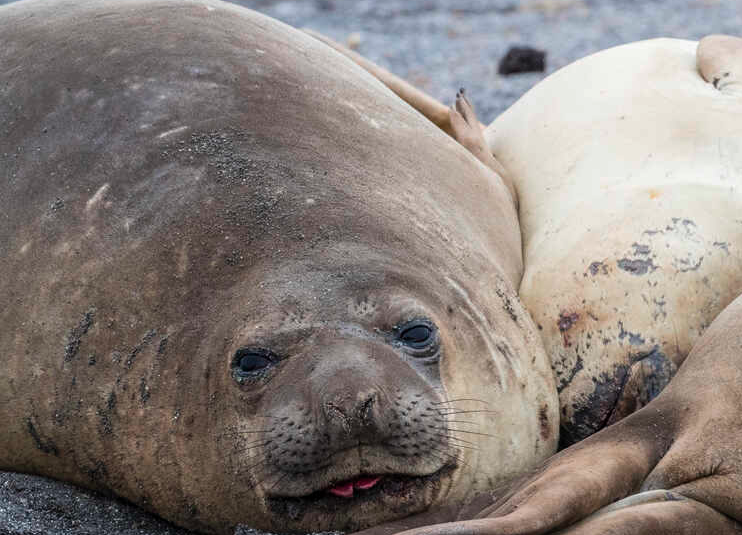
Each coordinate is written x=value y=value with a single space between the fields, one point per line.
x=250 y=361
x=253 y=361
x=417 y=334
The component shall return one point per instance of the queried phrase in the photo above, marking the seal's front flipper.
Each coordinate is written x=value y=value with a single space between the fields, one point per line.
x=434 y=111
x=466 y=129
x=719 y=59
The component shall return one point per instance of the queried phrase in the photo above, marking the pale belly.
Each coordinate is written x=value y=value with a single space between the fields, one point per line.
x=628 y=167
x=622 y=291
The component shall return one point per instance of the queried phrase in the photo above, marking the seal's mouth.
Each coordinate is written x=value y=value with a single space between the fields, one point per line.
x=367 y=488
x=353 y=502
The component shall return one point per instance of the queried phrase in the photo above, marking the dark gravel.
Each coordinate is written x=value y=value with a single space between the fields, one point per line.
x=439 y=46
x=32 y=505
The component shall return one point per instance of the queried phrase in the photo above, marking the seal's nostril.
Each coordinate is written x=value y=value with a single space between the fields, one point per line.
x=364 y=410
x=353 y=413
x=333 y=410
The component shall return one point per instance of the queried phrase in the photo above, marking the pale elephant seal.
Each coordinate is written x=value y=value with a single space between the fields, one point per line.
x=628 y=166
x=641 y=185
x=242 y=283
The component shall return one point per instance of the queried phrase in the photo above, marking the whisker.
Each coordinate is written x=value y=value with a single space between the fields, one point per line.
x=441 y=433
x=473 y=433
x=276 y=482
x=460 y=440
x=460 y=399
x=251 y=467
x=258 y=441
x=246 y=473
x=461 y=422
x=247 y=447
x=445 y=457
x=448 y=413
x=473 y=448
x=240 y=433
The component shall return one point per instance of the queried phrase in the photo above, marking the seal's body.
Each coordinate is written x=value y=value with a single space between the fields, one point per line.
x=628 y=166
x=239 y=286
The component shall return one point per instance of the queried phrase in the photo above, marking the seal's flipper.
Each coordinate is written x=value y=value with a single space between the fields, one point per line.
x=641 y=498
x=434 y=111
x=466 y=109
x=467 y=130
x=719 y=59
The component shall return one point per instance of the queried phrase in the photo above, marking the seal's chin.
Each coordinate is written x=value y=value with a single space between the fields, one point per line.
x=364 y=497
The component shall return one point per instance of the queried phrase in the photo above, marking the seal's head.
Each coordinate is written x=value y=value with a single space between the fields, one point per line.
x=369 y=385
x=342 y=414
x=249 y=285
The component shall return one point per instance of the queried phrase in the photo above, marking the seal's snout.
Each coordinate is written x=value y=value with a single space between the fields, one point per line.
x=363 y=429
x=355 y=409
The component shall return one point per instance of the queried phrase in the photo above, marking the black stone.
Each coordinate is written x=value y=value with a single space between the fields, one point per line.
x=522 y=59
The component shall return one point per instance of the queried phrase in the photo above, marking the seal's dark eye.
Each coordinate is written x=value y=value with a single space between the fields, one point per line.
x=249 y=361
x=416 y=334
x=253 y=361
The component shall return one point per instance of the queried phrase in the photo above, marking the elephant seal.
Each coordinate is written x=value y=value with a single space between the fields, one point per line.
x=653 y=136
x=240 y=287
x=618 y=160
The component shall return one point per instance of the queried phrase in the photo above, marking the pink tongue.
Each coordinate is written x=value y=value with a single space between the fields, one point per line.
x=345 y=489
x=365 y=483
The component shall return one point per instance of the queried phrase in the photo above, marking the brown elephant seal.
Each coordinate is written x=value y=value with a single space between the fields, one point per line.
x=627 y=167
x=240 y=287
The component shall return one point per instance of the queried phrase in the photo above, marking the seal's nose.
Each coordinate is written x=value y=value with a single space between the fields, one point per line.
x=352 y=378
x=353 y=414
